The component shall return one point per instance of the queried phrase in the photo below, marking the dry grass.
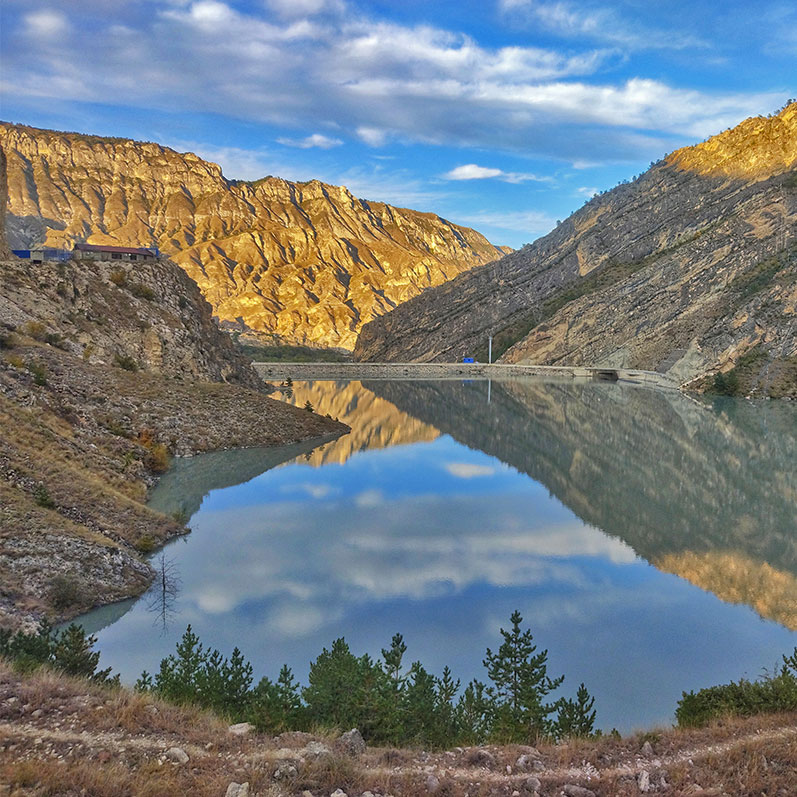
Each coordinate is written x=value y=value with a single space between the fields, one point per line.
x=94 y=740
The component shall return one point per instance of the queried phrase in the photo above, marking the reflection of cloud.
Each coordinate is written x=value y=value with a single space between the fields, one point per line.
x=216 y=600
x=294 y=620
x=467 y=470
x=369 y=498
x=317 y=491
x=423 y=547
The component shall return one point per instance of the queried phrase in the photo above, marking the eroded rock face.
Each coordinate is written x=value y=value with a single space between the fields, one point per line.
x=684 y=271
x=306 y=261
x=5 y=251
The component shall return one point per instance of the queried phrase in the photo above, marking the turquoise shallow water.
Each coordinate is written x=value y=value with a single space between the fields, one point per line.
x=650 y=542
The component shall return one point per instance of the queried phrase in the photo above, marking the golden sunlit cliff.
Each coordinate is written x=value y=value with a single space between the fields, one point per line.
x=308 y=262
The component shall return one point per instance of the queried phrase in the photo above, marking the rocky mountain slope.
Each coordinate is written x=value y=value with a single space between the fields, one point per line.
x=102 y=380
x=685 y=270
x=308 y=262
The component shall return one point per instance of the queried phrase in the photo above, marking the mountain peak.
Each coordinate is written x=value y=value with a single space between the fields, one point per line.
x=759 y=147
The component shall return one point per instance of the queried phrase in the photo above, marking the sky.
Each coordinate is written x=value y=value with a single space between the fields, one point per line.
x=503 y=115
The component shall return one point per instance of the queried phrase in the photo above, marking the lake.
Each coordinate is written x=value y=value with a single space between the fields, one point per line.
x=649 y=540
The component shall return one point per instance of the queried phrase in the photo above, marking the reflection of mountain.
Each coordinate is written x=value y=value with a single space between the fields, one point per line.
x=683 y=485
x=736 y=579
x=375 y=423
x=192 y=478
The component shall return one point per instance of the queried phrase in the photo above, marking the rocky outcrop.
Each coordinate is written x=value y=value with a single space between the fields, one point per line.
x=307 y=262
x=137 y=316
x=106 y=371
x=685 y=270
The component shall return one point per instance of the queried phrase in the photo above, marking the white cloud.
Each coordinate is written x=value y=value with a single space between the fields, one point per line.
x=467 y=470
x=596 y=23
x=587 y=191
x=376 y=80
x=301 y=8
x=47 y=23
x=470 y=171
x=315 y=140
x=372 y=136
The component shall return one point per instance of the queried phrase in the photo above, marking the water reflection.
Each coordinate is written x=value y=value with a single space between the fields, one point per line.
x=425 y=521
x=708 y=493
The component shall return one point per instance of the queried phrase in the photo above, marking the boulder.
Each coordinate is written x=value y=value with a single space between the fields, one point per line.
x=177 y=754
x=352 y=742
x=241 y=729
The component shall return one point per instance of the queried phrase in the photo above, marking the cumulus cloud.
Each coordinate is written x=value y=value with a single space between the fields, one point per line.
x=372 y=136
x=315 y=140
x=470 y=171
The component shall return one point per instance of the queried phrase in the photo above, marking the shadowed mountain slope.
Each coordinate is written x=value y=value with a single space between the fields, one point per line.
x=685 y=270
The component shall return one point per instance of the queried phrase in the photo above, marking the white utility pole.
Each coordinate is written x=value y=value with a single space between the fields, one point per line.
x=490 y=351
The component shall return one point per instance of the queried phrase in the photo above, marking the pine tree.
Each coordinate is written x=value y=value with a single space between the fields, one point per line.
x=278 y=707
x=472 y=714
x=420 y=703
x=393 y=709
x=73 y=654
x=576 y=718
x=447 y=689
x=520 y=683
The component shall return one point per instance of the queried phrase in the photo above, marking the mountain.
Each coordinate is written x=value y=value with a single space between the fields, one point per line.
x=688 y=269
x=308 y=262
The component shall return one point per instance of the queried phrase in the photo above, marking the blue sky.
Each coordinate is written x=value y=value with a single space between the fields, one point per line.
x=500 y=114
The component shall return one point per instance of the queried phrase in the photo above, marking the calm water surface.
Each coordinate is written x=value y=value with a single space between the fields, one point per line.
x=650 y=542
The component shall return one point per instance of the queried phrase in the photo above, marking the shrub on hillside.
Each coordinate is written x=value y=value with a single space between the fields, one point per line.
x=141 y=291
x=743 y=698
x=126 y=362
